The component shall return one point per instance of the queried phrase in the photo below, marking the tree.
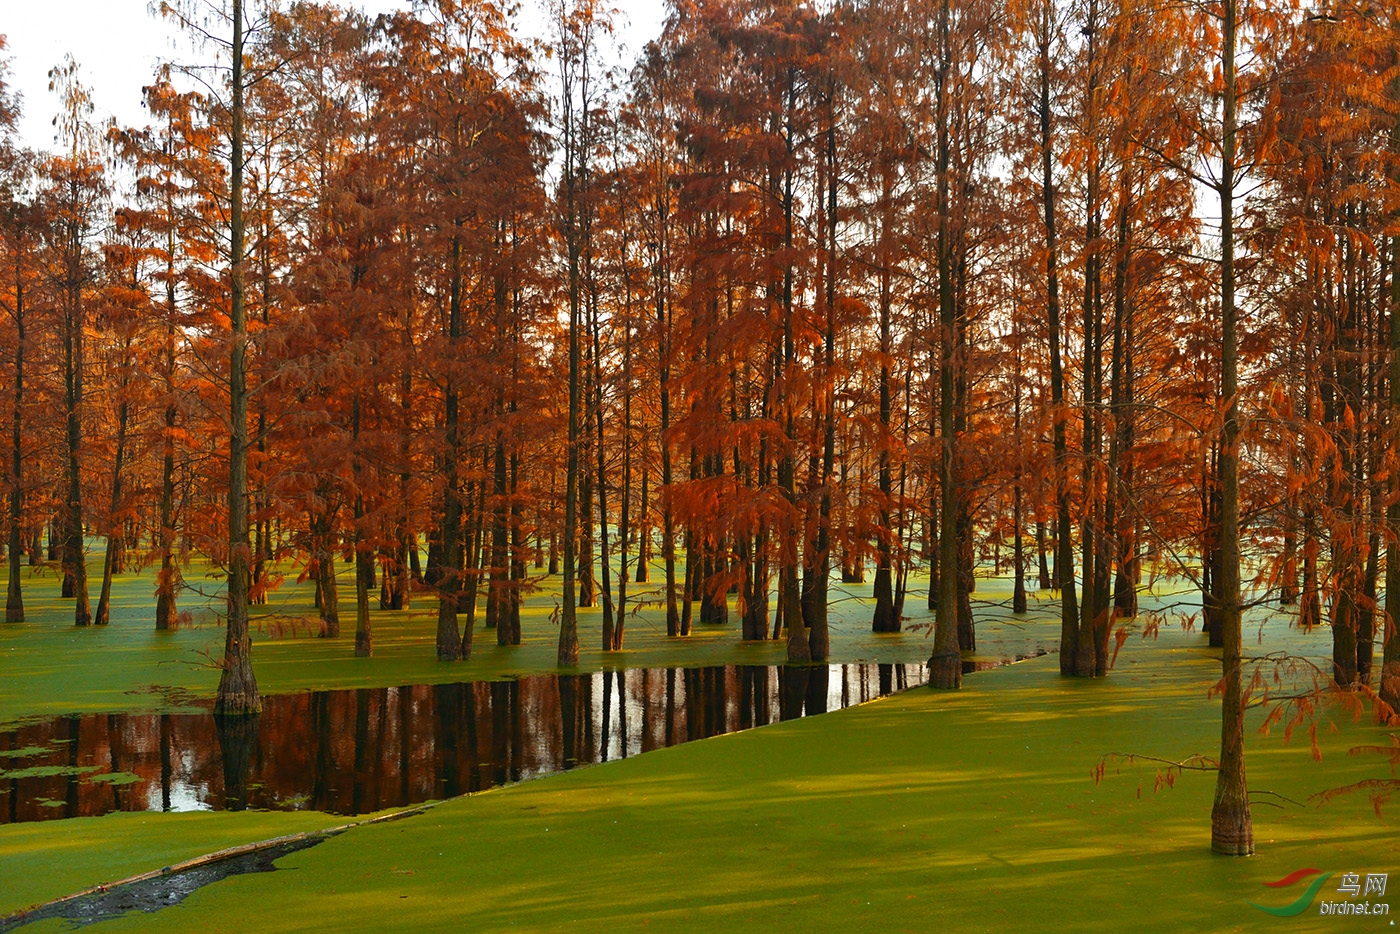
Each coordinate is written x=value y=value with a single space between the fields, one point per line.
x=74 y=187
x=1232 y=828
x=577 y=29
x=238 y=687
x=168 y=161
x=17 y=240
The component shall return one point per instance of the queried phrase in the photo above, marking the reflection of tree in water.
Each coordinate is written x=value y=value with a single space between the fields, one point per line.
x=608 y=733
x=753 y=696
x=818 y=689
x=167 y=770
x=356 y=751
x=71 y=791
x=793 y=694
x=449 y=701
x=238 y=746
x=114 y=754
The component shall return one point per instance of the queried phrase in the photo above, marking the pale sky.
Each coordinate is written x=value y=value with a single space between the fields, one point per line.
x=117 y=43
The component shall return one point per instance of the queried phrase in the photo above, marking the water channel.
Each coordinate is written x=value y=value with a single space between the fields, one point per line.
x=362 y=750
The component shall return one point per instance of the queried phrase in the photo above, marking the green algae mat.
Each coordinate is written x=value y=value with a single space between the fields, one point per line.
x=969 y=811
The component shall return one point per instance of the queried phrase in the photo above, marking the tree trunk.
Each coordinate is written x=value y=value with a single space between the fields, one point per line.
x=1390 y=650
x=1309 y=602
x=1211 y=557
x=168 y=577
x=819 y=639
x=1366 y=611
x=74 y=556
x=690 y=582
x=1390 y=644
x=945 y=665
x=644 y=533
x=885 y=620
x=1117 y=523
x=364 y=555
x=1288 y=563
x=575 y=169
x=14 y=598
x=668 y=532
x=624 y=529
x=323 y=543
x=781 y=182
x=604 y=555
x=967 y=577
x=114 y=531
x=1043 y=567
x=238 y=688
x=473 y=556
x=587 y=580
x=1232 y=829
x=1063 y=578
x=449 y=570
x=1085 y=658
x=510 y=618
x=1129 y=562
x=499 y=563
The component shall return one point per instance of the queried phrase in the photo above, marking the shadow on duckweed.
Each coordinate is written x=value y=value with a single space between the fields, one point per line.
x=357 y=751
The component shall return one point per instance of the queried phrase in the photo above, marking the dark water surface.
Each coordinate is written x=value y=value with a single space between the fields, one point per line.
x=356 y=751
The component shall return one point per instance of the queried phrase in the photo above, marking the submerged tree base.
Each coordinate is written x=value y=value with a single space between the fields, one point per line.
x=568 y=651
x=1231 y=828
x=945 y=671
x=238 y=705
x=238 y=692
x=449 y=637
